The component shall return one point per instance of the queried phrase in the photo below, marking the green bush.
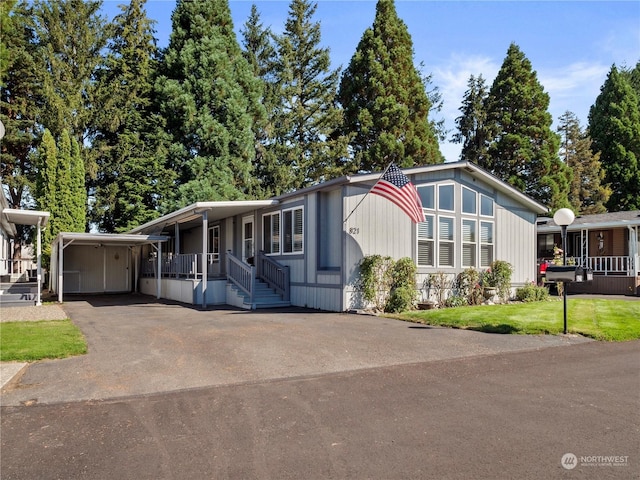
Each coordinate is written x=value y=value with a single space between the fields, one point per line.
x=532 y=293
x=456 y=300
x=498 y=275
x=469 y=286
x=400 y=300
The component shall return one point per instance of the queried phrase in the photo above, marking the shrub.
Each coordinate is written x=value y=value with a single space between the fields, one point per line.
x=532 y=293
x=401 y=299
x=456 y=300
x=375 y=279
x=498 y=275
x=403 y=286
x=469 y=286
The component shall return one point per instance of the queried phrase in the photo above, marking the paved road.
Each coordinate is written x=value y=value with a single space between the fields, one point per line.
x=474 y=406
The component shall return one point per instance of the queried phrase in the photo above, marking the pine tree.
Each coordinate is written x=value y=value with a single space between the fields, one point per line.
x=614 y=126
x=259 y=50
x=385 y=104
x=210 y=98
x=306 y=116
x=77 y=191
x=7 y=30
x=522 y=148
x=471 y=124
x=588 y=193
x=132 y=178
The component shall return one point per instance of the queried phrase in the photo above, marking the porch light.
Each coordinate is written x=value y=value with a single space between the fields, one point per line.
x=564 y=217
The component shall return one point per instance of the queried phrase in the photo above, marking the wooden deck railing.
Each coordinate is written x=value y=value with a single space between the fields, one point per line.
x=183 y=265
x=241 y=275
x=274 y=274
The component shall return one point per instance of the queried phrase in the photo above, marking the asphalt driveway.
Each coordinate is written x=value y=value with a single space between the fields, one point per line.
x=138 y=345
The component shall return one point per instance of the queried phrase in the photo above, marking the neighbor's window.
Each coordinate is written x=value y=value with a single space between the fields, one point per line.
x=446 y=249
x=427 y=196
x=426 y=242
x=292 y=230
x=271 y=233
x=445 y=197
x=469 y=243
x=469 y=201
x=486 y=243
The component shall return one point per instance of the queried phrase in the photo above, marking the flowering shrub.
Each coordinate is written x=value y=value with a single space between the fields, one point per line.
x=532 y=293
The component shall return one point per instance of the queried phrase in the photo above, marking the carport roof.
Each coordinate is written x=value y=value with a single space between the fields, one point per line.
x=108 y=238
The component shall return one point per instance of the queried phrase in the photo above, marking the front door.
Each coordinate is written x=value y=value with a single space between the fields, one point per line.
x=247 y=238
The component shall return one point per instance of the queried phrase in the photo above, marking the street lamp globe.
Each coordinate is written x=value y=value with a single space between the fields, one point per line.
x=564 y=217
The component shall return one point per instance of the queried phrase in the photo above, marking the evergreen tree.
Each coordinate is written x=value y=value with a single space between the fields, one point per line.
x=46 y=188
x=19 y=101
x=614 y=126
x=77 y=192
x=588 y=193
x=7 y=30
x=71 y=35
x=471 y=124
x=385 y=104
x=259 y=50
x=64 y=193
x=522 y=148
x=306 y=117
x=130 y=142
x=210 y=98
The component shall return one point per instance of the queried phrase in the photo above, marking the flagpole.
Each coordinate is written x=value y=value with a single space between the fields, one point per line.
x=369 y=191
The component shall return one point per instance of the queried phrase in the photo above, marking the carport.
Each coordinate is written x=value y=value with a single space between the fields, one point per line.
x=98 y=262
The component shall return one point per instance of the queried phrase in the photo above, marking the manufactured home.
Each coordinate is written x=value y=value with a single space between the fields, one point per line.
x=304 y=248
x=607 y=243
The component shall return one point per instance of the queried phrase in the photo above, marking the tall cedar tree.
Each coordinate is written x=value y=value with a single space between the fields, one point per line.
x=306 y=117
x=19 y=107
x=385 y=105
x=259 y=50
x=588 y=193
x=71 y=35
x=471 y=124
x=130 y=142
x=211 y=98
x=614 y=126
x=60 y=186
x=8 y=30
x=522 y=148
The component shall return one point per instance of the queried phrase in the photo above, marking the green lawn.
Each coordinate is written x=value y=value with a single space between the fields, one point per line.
x=29 y=341
x=615 y=320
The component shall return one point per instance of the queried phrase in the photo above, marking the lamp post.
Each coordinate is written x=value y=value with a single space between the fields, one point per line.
x=564 y=217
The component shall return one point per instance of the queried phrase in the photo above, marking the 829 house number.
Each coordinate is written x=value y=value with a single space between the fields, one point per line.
x=354 y=230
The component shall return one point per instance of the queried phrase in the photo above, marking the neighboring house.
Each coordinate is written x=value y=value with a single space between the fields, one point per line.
x=607 y=243
x=20 y=279
x=304 y=248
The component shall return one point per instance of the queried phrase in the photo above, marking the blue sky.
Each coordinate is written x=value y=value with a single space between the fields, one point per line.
x=571 y=44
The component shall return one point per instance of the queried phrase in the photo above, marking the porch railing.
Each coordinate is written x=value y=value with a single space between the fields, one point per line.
x=241 y=275
x=21 y=268
x=182 y=265
x=610 y=265
x=274 y=274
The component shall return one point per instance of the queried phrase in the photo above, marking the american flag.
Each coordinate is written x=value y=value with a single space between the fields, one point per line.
x=395 y=186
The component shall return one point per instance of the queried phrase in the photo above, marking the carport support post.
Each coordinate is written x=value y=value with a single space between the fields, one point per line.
x=60 y=269
x=205 y=233
x=39 y=270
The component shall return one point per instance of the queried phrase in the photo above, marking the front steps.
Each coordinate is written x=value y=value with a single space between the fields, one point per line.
x=19 y=294
x=264 y=297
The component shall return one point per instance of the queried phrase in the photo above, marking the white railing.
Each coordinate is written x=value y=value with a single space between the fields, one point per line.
x=182 y=265
x=17 y=268
x=610 y=265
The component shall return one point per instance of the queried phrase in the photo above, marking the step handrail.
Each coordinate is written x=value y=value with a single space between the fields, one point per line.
x=241 y=275
x=274 y=274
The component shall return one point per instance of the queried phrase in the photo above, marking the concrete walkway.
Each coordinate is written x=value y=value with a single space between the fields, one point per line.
x=137 y=345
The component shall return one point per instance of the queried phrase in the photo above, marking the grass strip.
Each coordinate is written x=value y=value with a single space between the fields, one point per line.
x=30 y=341
x=601 y=319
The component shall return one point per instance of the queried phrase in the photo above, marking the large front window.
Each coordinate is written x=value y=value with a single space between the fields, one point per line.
x=286 y=236
x=446 y=255
x=426 y=242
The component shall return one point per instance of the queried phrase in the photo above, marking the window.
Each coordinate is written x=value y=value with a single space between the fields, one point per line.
x=446 y=253
x=469 y=201
x=469 y=243
x=426 y=242
x=427 y=196
x=486 y=243
x=292 y=230
x=486 y=206
x=445 y=198
x=271 y=233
